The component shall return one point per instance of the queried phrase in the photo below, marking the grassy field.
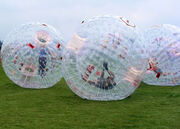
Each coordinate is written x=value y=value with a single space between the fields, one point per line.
x=58 y=108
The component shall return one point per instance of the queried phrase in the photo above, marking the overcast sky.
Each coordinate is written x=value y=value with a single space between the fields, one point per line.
x=66 y=15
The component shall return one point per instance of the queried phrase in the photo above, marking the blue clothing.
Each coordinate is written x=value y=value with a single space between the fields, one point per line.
x=42 y=61
x=43 y=52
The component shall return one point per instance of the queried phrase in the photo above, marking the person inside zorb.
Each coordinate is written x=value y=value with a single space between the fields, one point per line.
x=163 y=44
x=43 y=39
x=101 y=81
x=103 y=59
x=153 y=66
x=32 y=55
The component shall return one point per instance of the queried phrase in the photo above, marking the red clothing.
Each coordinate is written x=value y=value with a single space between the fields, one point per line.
x=158 y=75
x=151 y=67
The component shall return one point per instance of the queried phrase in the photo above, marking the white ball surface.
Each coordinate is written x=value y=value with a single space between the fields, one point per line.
x=32 y=55
x=0 y=48
x=103 y=60
x=163 y=47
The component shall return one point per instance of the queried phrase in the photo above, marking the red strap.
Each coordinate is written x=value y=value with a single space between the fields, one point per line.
x=97 y=73
x=31 y=46
x=58 y=45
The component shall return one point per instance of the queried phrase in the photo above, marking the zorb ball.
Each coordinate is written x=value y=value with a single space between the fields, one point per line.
x=103 y=59
x=0 y=49
x=163 y=47
x=32 y=55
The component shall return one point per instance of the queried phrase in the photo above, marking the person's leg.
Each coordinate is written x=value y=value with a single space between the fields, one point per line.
x=158 y=72
x=39 y=70
x=83 y=78
x=105 y=66
x=102 y=74
x=44 y=65
x=92 y=83
x=111 y=74
x=158 y=75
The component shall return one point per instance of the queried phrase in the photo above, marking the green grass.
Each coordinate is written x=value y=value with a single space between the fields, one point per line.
x=58 y=107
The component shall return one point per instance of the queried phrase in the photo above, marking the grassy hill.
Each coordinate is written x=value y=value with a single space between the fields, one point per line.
x=58 y=107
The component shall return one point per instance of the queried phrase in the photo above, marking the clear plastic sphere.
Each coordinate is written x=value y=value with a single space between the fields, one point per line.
x=0 y=44
x=0 y=48
x=163 y=46
x=103 y=60
x=32 y=54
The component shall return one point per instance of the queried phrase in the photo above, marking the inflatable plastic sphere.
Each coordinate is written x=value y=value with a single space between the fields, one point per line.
x=1 y=44
x=31 y=55
x=163 y=45
x=0 y=48
x=103 y=60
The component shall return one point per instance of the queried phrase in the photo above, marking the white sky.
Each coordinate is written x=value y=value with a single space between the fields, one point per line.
x=66 y=15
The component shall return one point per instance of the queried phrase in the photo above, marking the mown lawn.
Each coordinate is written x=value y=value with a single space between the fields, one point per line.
x=58 y=107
